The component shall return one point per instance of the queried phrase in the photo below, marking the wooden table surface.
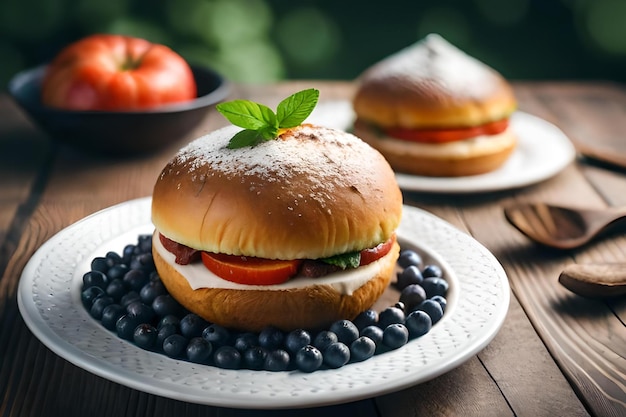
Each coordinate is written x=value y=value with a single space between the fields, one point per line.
x=557 y=354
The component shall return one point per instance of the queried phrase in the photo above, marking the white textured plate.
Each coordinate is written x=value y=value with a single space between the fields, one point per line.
x=543 y=151
x=49 y=301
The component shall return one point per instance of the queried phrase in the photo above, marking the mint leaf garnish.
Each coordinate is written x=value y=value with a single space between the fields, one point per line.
x=296 y=108
x=246 y=137
x=261 y=123
x=248 y=114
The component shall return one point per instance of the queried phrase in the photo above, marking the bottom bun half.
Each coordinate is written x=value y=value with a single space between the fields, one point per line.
x=309 y=307
x=467 y=157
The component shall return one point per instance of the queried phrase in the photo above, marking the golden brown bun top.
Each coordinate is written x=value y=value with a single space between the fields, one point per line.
x=312 y=193
x=432 y=84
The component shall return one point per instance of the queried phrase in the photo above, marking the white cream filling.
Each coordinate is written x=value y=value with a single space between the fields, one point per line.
x=462 y=148
x=344 y=282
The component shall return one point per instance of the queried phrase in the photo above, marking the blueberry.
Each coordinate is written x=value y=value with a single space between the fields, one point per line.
x=126 y=293
x=412 y=295
x=345 y=330
x=432 y=308
x=174 y=345
x=441 y=300
x=245 y=341
x=297 y=339
x=254 y=357
x=362 y=348
x=336 y=355
x=418 y=323
x=125 y=326
x=390 y=315
x=395 y=335
x=143 y=262
x=144 y=243
x=135 y=279
x=95 y=279
x=323 y=339
x=308 y=359
x=410 y=275
x=113 y=258
x=192 y=325
x=116 y=289
x=198 y=350
x=409 y=257
x=366 y=318
x=151 y=290
x=100 y=263
x=165 y=331
x=165 y=305
x=98 y=306
x=373 y=332
x=271 y=338
x=88 y=295
x=145 y=336
x=111 y=314
x=227 y=357
x=431 y=271
x=216 y=334
x=277 y=360
x=128 y=253
x=154 y=276
x=117 y=272
x=142 y=312
x=129 y=298
x=169 y=319
x=435 y=286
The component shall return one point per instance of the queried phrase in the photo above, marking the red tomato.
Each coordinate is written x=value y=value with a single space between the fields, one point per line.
x=447 y=135
x=114 y=72
x=373 y=254
x=249 y=270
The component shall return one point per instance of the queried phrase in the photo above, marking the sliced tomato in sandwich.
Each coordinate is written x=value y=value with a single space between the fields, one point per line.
x=447 y=135
x=373 y=254
x=259 y=271
x=249 y=270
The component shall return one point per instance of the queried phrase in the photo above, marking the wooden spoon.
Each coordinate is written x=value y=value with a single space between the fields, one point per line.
x=595 y=280
x=562 y=227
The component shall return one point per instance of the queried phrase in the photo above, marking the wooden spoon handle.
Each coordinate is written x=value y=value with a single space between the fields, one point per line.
x=612 y=157
x=595 y=280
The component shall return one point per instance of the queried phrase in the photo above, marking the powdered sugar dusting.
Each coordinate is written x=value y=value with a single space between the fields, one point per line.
x=435 y=60
x=294 y=154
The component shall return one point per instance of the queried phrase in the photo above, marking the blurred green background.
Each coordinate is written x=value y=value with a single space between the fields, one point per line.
x=261 y=41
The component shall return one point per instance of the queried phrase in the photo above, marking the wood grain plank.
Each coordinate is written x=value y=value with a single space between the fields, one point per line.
x=518 y=370
x=503 y=376
x=469 y=390
x=602 y=111
x=498 y=381
x=592 y=115
x=593 y=338
x=536 y=288
x=517 y=356
x=23 y=157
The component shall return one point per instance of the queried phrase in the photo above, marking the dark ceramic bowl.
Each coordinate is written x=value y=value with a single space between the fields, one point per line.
x=119 y=132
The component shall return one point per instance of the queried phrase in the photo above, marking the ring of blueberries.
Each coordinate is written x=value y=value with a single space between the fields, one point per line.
x=125 y=294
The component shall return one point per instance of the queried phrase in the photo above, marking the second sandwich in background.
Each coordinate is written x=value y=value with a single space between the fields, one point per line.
x=433 y=110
